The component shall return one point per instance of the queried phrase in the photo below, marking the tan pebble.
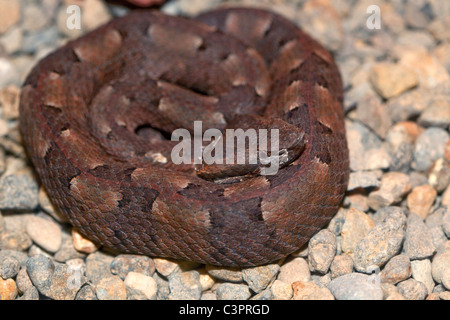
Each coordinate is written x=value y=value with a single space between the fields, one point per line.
x=390 y=80
x=82 y=244
x=8 y=289
x=310 y=291
x=421 y=199
x=10 y=13
x=281 y=290
x=44 y=233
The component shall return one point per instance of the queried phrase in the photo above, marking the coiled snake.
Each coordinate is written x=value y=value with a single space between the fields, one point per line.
x=97 y=115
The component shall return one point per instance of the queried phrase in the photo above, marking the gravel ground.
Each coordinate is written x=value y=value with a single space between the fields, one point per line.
x=389 y=241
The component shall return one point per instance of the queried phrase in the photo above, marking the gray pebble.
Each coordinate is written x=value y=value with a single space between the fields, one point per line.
x=429 y=147
x=67 y=251
x=418 y=241
x=87 y=292
x=421 y=271
x=259 y=278
x=30 y=294
x=396 y=270
x=412 y=289
x=126 y=263
x=185 y=286
x=321 y=251
x=98 y=266
x=40 y=270
x=65 y=282
x=355 y=286
x=18 y=192
x=263 y=295
x=23 y=280
x=163 y=287
x=382 y=242
x=230 y=274
x=363 y=179
x=232 y=291
x=9 y=266
x=435 y=223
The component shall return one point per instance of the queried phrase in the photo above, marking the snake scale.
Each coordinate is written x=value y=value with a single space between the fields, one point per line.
x=97 y=114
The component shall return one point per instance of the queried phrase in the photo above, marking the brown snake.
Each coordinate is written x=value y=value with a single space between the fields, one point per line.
x=95 y=117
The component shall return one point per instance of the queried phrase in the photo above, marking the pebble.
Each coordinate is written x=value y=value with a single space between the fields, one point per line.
x=439 y=29
x=94 y=14
x=364 y=180
x=391 y=292
x=436 y=115
x=111 y=288
x=442 y=53
x=230 y=274
x=18 y=192
x=421 y=271
x=394 y=186
x=357 y=225
x=140 y=286
x=382 y=242
x=263 y=295
x=412 y=290
x=9 y=266
x=430 y=71
x=166 y=267
x=310 y=291
x=435 y=223
x=40 y=270
x=294 y=270
x=341 y=265
x=391 y=80
x=430 y=146
x=440 y=265
x=8 y=289
x=321 y=251
x=439 y=176
x=34 y=18
x=67 y=251
x=418 y=240
x=233 y=291
x=30 y=294
x=421 y=199
x=163 y=287
x=365 y=149
x=396 y=270
x=87 y=292
x=23 y=281
x=281 y=290
x=44 y=233
x=185 y=286
x=126 y=263
x=355 y=286
x=206 y=281
x=98 y=266
x=10 y=14
x=259 y=278
x=65 y=282
x=83 y=244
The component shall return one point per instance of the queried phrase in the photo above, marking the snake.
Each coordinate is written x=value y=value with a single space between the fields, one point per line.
x=98 y=116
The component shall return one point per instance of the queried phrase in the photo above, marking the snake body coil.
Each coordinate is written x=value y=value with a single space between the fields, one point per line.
x=96 y=116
